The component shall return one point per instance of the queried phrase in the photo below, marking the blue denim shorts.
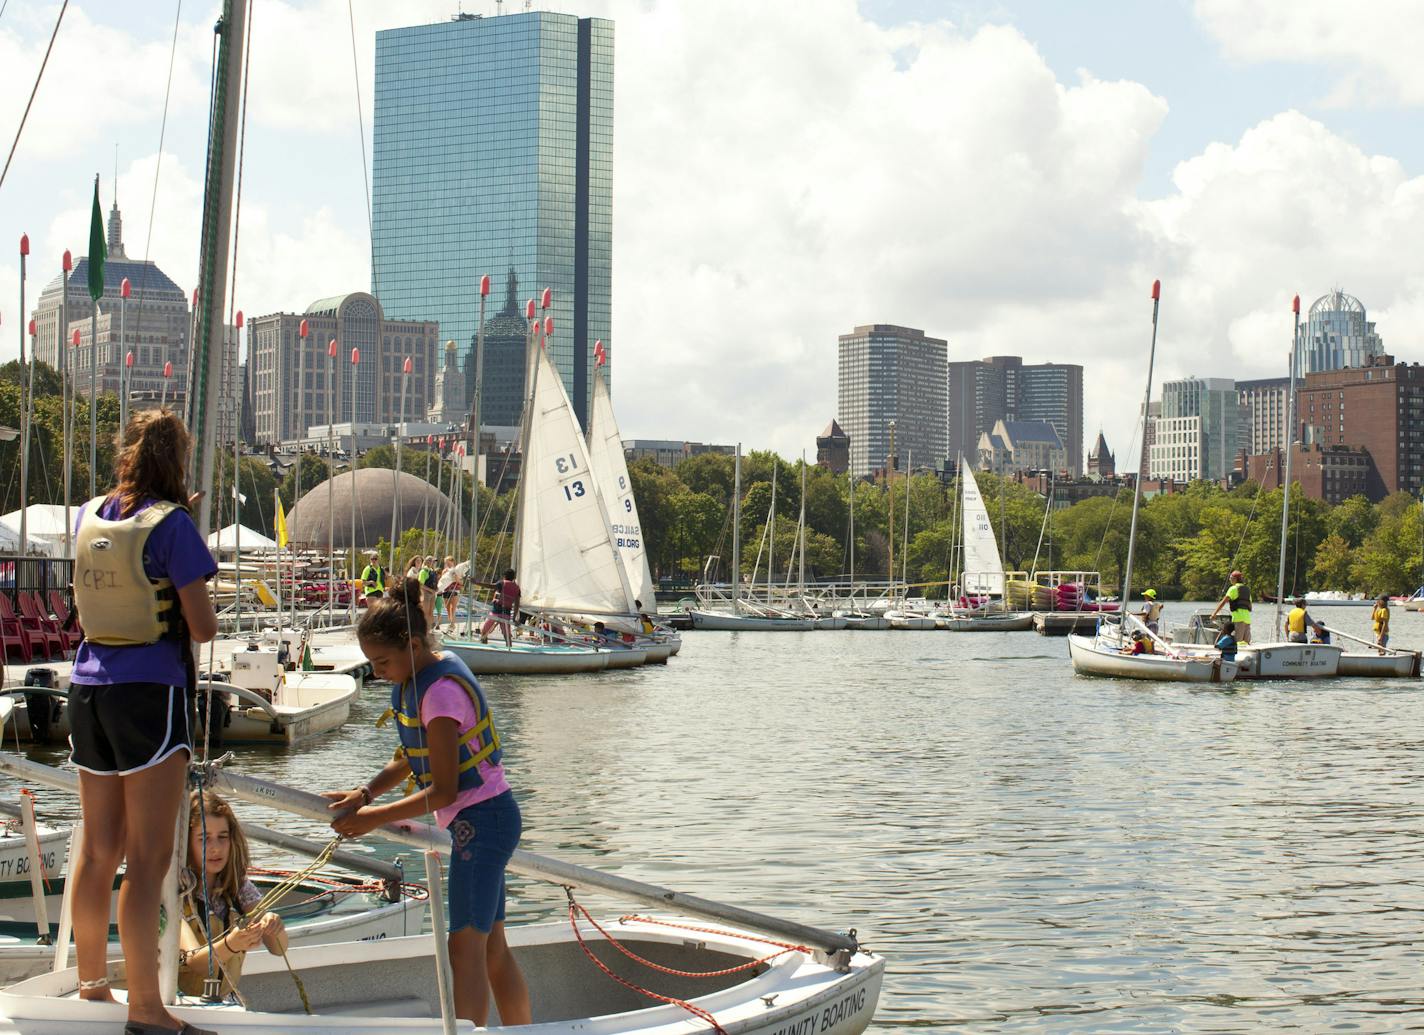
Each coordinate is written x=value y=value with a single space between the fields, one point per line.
x=482 y=839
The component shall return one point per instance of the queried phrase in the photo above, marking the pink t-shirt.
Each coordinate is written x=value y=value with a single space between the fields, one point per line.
x=447 y=699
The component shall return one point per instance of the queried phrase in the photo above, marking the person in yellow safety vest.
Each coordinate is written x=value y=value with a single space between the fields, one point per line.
x=1151 y=610
x=1298 y=622
x=1238 y=599
x=1379 y=618
x=373 y=575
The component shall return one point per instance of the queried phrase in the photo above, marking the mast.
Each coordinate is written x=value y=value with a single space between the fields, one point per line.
x=26 y=390
x=475 y=446
x=1289 y=444
x=905 y=530
x=1126 y=592
x=850 y=484
x=801 y=528
x=205 y=367
x=890 y=496
x=737 y=532
x=771 y=533
x=206 y=357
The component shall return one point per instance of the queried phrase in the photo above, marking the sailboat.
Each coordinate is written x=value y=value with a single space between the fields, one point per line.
x=563 y=557
x=1107 y=652
x=982 y=571
x=610 y=472
x=743 y=618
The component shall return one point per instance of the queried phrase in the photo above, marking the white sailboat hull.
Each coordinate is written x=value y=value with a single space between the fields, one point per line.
x=867 y=622
x=833 y=622
x=308 y=705
x=390 y=986
x=527 y=659
x=1289 y=660
x=723 y=621
x=1012 y=621
x=1091 y=658
x=15 y=853
x=1381 y=666
x=21 y=957
x=901 y=620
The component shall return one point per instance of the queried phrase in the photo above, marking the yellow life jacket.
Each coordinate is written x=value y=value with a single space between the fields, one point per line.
x=118 y=604
x=192 y=937
x=1295 y=621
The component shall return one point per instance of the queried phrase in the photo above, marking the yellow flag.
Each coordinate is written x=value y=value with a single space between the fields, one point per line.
x=281 y=525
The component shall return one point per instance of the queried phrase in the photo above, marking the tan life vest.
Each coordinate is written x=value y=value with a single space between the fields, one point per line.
x=191 y=938
x=118 y=604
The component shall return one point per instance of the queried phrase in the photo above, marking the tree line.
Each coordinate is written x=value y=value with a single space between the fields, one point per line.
x=1187 y=542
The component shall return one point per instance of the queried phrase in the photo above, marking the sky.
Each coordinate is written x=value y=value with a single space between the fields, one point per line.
x=1009 y=175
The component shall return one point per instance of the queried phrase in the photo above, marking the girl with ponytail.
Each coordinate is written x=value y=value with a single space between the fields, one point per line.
x=450 y=751
x=141 y=595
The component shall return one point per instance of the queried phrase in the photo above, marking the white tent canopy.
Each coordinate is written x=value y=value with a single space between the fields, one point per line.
x=249 y=539
x=45 y=528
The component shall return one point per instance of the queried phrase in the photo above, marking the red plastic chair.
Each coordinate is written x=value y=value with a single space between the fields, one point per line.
x=34 y=621
x=32 y=605
x=58 y=606
x=15 y=636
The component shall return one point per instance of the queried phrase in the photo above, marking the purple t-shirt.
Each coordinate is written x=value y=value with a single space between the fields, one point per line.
x=174 y=551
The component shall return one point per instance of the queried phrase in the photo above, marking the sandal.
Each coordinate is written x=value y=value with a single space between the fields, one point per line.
x=139 y=1028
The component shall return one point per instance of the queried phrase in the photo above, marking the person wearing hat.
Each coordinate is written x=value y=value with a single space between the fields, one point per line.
x=1298 y=621
x=1238 y=599
x=1151 y=610
x=373 y=575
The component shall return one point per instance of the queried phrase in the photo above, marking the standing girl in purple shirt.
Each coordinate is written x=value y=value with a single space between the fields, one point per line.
x=140 y=590
x=450 y=747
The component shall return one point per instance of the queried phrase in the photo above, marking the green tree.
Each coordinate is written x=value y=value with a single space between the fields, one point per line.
x=1334 y=560
x=315 y=470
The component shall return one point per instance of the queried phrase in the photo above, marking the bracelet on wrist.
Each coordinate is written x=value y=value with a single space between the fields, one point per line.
x=365 y=791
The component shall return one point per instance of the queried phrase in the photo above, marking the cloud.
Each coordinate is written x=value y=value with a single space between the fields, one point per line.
x=1374 y=50
x=784 y=172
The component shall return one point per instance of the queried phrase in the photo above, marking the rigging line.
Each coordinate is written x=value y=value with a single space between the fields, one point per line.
x=36 y=89
x=361 y=126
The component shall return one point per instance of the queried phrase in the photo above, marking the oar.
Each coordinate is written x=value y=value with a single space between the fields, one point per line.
x=1367 y=643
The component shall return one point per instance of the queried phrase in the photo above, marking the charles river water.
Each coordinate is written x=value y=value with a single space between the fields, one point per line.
x=1030 y=850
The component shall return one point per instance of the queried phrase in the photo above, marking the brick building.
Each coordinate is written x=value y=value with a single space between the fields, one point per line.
x=1329 y=473
x=1378 y=408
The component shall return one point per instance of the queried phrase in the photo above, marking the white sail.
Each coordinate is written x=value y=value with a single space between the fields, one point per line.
x=983 y=570
x=565 y=562
x=610 y=470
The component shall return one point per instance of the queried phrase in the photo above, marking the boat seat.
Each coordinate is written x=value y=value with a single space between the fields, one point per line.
x=409 y=1006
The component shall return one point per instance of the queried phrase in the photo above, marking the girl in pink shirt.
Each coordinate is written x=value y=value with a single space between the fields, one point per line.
x=450 y=747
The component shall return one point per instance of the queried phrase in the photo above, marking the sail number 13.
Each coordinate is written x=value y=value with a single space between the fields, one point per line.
x=567 y=464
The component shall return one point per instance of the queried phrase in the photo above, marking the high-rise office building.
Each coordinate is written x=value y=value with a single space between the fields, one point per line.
x=889 y=373
x=1194 y=438
x=1336 y=335
x=278 y=356
x=492 y=149
x=997 y=388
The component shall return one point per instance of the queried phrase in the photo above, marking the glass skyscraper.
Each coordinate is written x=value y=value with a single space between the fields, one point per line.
x=1336 y=335
x=493 y=151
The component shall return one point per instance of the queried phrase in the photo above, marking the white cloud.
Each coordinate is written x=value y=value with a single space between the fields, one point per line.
x=1373 y=48
x=784 y=172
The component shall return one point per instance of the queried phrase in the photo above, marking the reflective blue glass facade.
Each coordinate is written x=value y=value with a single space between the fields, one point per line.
x=492 y=150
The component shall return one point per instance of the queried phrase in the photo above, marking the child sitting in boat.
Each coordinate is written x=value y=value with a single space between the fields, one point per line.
x=217 y=893
x=450 y=749
x=1226 y=642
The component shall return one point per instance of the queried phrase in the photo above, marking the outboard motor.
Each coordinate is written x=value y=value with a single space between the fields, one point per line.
x=213 y=711
x=43 y=709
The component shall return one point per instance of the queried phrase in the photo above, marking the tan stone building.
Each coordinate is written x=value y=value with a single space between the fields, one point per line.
x=353 y=320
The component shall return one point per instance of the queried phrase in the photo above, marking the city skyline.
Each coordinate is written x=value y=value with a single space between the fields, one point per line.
x=1193 y=142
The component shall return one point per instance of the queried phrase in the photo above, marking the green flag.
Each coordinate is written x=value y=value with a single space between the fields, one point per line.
x=98 y=250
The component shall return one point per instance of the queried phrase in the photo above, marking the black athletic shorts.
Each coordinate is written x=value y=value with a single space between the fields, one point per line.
x=123 y=728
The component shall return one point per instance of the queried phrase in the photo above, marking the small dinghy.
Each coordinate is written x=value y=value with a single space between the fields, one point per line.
x=730 y=621
x=390 y=986
x=321 y=909
x=1006 y=621
x=15 y=854
x=1099 y=656
x=909 y=620
x=263 y=703
x=527 y=659
x=1388 y=665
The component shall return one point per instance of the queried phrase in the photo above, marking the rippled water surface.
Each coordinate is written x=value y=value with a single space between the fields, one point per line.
x=1031 y=851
